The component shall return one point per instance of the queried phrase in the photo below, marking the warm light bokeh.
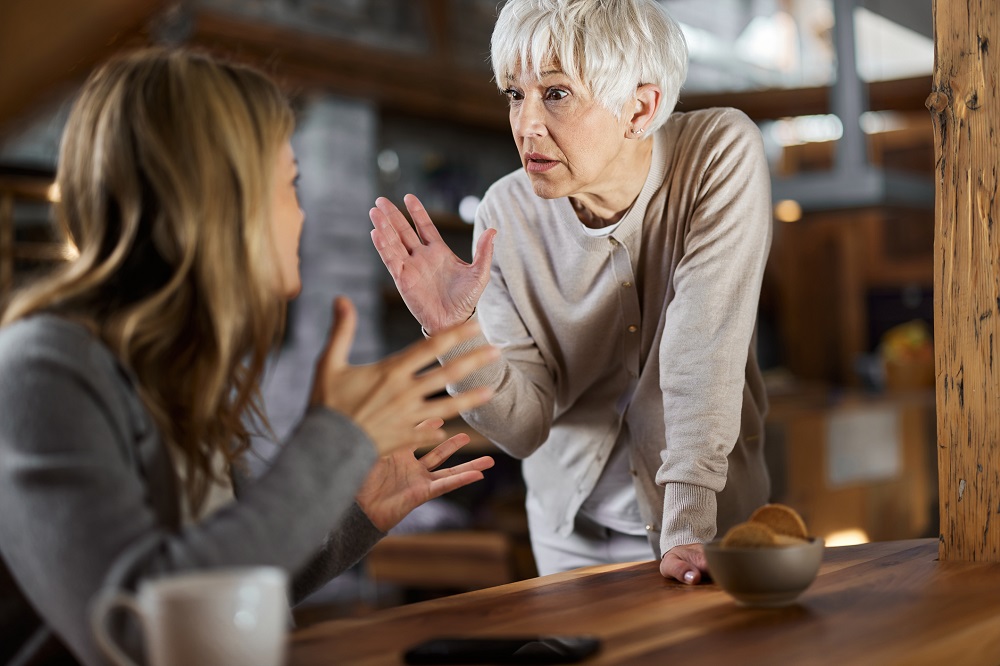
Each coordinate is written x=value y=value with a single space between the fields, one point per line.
x=851 y=537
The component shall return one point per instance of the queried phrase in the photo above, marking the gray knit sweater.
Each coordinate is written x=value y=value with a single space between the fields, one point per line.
x=665 y=305
x=89 y=498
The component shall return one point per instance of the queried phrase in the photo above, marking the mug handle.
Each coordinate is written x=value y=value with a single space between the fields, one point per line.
x=103 y=605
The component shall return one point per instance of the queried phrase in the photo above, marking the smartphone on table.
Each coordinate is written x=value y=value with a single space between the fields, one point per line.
x=503 y=650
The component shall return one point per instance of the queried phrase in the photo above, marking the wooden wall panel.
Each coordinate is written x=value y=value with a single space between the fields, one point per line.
x=965 y=108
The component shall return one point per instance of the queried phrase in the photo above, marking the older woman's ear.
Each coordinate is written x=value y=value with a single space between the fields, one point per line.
x=647 y=101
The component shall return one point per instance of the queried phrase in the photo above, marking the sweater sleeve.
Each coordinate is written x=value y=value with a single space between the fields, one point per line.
x=709 y=325
x=78 y=516
x=343 y=547
x=519 y=415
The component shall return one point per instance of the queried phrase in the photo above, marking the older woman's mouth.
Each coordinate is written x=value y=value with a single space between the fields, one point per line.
x=538 y=163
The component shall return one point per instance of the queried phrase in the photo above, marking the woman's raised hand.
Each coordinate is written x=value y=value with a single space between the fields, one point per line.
x=440 y=289
x=388 y=399
x=400 y=482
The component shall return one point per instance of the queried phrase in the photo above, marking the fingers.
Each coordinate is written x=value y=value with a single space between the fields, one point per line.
x=477 y=465
x=463 y=402
x=457 y=369
x=447 y=484
x=433 y=458
x=674 y=567
x=390 y=250
x=422 y=354
x=684 y=563
x=425 y=227
x=430 y=423
x=416 y=439
x=389 y=220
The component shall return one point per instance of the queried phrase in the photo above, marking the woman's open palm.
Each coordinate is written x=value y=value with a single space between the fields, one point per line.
x=438 y=287
x=400 y=482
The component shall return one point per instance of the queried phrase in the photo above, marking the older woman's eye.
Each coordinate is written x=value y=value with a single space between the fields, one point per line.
x=556 y=94
x=512 y=95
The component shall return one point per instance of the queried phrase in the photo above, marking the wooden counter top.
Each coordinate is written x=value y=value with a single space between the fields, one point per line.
x=880 y=603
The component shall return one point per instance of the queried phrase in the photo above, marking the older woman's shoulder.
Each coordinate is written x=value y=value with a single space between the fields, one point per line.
x=714 y=120
x=709 y=131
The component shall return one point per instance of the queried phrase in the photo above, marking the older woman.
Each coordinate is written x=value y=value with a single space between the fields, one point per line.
x=619 y=272
x=129 y=381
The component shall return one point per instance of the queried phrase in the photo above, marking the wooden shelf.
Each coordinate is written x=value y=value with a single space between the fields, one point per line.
x=26 y=186
x=29 y=188
x=45 y=252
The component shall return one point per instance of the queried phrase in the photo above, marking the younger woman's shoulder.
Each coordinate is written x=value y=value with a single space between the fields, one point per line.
x=50 y=338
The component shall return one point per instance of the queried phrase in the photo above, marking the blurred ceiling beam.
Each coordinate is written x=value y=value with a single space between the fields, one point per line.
x=52 y=41
x=433 y=85
x=898 y=95
x=430 y=85
x=47 y=42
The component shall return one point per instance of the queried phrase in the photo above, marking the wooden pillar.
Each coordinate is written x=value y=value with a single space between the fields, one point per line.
x=965 y=109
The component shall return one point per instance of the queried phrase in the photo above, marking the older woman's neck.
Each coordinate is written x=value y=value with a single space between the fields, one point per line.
x=609 y=199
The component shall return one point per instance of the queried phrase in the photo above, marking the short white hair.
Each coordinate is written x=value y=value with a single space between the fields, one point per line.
x=611 y=46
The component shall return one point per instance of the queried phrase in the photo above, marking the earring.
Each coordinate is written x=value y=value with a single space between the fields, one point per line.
x=637 y=131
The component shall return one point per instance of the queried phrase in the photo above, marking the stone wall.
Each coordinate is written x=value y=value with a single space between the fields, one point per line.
x=335 y=144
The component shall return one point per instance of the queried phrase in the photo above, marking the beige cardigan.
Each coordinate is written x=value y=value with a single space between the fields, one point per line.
x=668 y=301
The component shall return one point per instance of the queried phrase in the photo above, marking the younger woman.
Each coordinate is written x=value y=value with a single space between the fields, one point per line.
x=129 y=381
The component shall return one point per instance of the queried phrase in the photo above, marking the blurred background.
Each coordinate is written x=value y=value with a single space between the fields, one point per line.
x=395 y=96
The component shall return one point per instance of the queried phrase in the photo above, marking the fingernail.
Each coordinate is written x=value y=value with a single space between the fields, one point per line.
x=689 y=577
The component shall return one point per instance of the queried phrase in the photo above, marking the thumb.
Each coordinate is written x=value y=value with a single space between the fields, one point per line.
x=338 y=346
x=484 y=255
x=683 y=565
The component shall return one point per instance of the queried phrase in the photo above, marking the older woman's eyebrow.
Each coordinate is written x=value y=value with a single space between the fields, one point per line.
x=548 y=72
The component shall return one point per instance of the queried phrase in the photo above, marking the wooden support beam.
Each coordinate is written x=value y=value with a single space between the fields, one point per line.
x=965 y=109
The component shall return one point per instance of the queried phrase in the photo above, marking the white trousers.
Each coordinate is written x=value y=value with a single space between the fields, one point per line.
x=588 y=544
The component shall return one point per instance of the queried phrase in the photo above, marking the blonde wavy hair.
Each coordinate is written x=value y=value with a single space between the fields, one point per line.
x=165 y=173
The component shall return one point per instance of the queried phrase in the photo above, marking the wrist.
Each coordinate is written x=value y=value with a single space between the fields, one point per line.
x=428 y=333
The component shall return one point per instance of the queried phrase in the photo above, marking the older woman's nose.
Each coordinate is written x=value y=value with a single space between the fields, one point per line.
x=527 y=118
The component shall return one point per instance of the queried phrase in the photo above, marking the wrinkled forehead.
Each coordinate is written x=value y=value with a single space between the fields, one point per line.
x=550 y=67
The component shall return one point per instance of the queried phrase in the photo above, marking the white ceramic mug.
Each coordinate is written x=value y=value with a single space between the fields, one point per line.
x=223 y=617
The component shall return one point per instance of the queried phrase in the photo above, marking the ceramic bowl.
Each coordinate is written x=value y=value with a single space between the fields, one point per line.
x=764 y=577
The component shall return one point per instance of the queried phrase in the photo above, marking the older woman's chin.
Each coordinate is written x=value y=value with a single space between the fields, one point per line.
x=547 y=190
